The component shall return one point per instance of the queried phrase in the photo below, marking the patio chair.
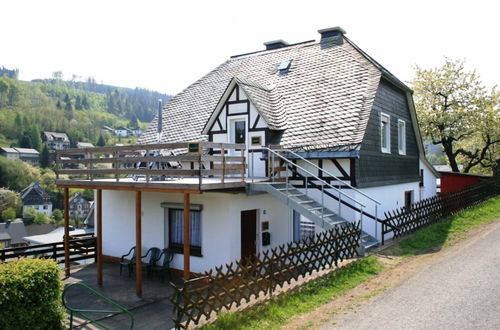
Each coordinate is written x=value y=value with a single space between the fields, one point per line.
x=167 y=255
x=155 y=256
x=129 y=263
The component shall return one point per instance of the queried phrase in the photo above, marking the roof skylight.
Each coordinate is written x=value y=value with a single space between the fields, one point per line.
x=284 y=66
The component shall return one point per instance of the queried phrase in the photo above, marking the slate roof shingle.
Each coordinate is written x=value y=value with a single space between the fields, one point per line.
x=323 y=102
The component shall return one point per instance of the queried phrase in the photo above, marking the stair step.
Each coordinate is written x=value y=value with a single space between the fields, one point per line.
x=295 y=195
x=306 y=202
x=315 y=208
x=370 y=243
x=283 y=189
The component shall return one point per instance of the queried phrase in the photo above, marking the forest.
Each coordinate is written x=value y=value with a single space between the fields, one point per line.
x=78 y=108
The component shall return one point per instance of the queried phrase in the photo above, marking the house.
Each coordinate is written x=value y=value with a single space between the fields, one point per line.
x=9 y=153
x=107 y=129
x=136 y=131
x=34 y=196
x=269 y=147
x=83 y=145
x=12 y=233
x=123 y=131
x=79 y=207
x=28 y=155
x=56 y=140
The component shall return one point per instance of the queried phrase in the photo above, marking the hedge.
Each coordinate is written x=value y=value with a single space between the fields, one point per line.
x=30 y=295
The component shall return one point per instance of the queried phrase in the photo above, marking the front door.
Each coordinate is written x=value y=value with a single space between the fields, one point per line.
x=248 y=234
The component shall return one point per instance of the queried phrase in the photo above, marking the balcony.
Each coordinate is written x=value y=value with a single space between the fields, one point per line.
x=183 y=166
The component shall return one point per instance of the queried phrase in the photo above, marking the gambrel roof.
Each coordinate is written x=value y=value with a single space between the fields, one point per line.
x=322 y=101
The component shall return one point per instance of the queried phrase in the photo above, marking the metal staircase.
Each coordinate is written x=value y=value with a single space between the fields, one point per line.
x=303 y=200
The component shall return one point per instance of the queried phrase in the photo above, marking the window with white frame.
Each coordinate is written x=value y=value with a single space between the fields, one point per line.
x=302 y=227
x=385 y=133
x=402 y=137
x=176 y=231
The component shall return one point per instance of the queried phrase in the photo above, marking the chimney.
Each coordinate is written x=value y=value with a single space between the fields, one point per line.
x=333 y=34
x=275 y=44
x=160 y=119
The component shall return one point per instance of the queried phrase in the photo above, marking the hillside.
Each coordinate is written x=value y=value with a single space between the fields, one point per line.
x=78 y=108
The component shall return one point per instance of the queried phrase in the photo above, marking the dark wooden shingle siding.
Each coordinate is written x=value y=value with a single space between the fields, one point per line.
x=377 y=168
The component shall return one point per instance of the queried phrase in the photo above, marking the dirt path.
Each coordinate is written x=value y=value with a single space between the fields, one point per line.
x=399 y=271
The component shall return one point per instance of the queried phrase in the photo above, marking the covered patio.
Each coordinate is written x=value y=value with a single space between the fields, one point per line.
x=147 y=168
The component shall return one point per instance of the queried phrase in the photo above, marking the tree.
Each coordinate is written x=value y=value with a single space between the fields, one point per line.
x=41 y=218
x=9 y=199
x=45 y=157
x=30 y=213
x=452 y=106
x=134 y=122
x=9 y=214
x=57 y=75
x=101 y=142
x=57 y=215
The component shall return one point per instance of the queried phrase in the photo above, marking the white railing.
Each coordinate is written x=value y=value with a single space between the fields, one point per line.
x=274 y=152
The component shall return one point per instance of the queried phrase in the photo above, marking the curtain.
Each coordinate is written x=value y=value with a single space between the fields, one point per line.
x=176 y=220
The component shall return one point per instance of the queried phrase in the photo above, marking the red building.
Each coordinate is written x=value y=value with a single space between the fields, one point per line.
x=451 y=181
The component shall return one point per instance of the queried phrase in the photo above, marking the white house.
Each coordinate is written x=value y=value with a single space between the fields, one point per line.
x=28 y=155
x=56 y=140
x=123 y=131
x=34 y=196
x=345 y=147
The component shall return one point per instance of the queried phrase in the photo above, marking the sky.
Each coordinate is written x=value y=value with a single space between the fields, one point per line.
x=167 y=45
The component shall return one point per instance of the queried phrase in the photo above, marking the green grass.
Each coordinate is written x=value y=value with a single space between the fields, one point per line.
x=446 y=232
x=277 y=312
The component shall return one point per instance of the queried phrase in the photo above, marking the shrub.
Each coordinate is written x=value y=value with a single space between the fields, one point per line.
x=41 y=218
x=8 y=214
x=30 y=295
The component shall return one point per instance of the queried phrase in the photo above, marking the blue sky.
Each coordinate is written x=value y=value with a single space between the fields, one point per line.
x=166 y=45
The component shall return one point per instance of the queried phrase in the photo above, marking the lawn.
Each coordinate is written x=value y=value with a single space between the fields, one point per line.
x=446 y=232
x=275 y=313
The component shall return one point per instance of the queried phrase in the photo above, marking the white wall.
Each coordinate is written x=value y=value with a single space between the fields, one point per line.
x=221 y=227
x=429 y=189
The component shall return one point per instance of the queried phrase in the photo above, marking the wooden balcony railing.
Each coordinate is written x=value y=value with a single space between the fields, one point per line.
x=214 y=162
x=81 y=247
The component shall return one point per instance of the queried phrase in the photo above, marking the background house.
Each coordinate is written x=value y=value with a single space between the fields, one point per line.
x=28 y=155
x=56 y=140
x=123 y=131
x=12 y=233
x=83 y=145
x=34 y=196
x=79 y=207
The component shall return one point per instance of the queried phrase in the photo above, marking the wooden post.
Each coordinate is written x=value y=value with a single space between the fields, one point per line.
x=138 y=244
x=66 y=232
x=99 y=236
x=186 y=237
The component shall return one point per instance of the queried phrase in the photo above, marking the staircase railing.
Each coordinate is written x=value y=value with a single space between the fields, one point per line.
x=83 y=312
x=275 y=152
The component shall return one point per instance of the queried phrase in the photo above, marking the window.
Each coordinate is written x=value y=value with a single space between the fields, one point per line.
x=239 y=131
x=176 y=231
x=45 y=207
x=302 y=227
x=385 y=133
x=402 y=137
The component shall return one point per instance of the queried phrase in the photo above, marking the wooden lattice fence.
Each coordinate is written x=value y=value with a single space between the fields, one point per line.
x=404 y=221
x=237 y=283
